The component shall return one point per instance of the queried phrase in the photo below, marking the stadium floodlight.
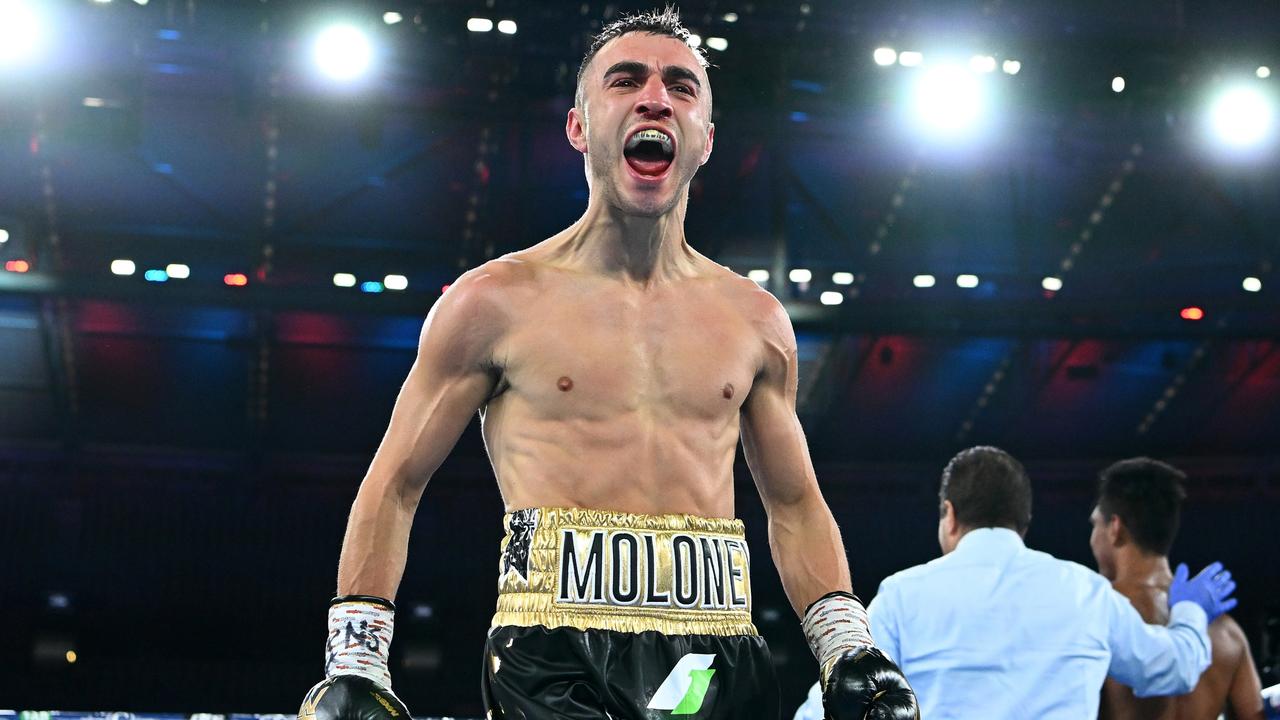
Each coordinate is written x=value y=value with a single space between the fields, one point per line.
x=982 y=64
x=342 y=52
x=718 y=43
x=392 y=17
x=730 y=17
x=924 y=281
x=885 y=56
x=1241 y=117
x=910 y=58
x=967 y=281
x=1252 y=284
x=1263 y=72
x=695 y=41
x=479 y=24
x=395 y=282
x=800 y=275
x=759 y=276
x=507 y=27
x=842 y=278
x=177 y=271
x=1052 y=284
x=948 y=101
x=20 y=32
x=4 y=236
x=1011 y=67
x=831 y=297
x=1117 y=84
x=344 y=279
x=123 y=267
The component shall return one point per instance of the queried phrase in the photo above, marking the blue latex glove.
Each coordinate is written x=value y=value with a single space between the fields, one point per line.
x=1211 y=589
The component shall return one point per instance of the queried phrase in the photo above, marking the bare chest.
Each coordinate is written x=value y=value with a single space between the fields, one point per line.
x=596 y=357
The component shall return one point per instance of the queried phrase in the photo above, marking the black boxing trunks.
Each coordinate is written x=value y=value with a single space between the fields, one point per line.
x=616 y=615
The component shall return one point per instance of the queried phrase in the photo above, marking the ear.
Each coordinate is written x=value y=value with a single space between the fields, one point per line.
x=575 y=128
x=1116 y=533
x=711 y=140
x=948 y=517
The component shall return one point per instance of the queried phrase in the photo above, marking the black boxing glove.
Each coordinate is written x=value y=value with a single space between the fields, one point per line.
x=358 y=683
x=352 y=697
x=863 y=684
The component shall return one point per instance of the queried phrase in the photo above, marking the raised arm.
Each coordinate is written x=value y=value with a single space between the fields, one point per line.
x=453 y=375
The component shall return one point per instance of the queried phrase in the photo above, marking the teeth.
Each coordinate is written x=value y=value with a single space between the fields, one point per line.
x=653 y=135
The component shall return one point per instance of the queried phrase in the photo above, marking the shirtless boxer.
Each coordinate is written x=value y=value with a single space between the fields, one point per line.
x=1134 y=525
x=614 y=367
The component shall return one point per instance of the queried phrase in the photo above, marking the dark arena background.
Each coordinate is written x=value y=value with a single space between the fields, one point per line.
x=1044 y=225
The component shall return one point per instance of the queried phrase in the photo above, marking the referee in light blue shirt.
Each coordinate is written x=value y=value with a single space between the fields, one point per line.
x=994 y=630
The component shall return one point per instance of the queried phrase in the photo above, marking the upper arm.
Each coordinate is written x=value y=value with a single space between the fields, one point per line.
x=1245 y=696
x=451 y=378
x=772 y=438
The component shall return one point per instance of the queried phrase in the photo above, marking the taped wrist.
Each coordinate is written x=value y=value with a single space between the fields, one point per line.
x=359 y=643
x=835 y=624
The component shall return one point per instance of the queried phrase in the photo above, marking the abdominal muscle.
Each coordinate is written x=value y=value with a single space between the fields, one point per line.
x=631 y=462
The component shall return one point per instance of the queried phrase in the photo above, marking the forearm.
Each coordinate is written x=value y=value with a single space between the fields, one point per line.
x=375 y=547
x=1186 y=655
x=807 y=550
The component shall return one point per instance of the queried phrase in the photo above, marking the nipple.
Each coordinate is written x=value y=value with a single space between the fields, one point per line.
x=727 y=391
x=565 y=383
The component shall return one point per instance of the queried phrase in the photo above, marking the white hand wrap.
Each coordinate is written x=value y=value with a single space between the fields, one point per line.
x=359 y=640
x=835 y=624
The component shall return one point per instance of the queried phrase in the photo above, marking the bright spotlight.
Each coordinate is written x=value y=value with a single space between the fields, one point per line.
x=800 y=275
x=885 y=56
x=1252 y=284
x=695 y=41
x=910 y=58
x=923 y=281
x=759 y=276
x=718 y=43
x=1264 y=72
x=178 y=271
x=842 y=278
x=392 y=18
x=123 y=267
x=344 y=280
x=831 y=297
x=730 y=17
x=19 y=31
x=507 y=27
x=967 y=281
x=948 y=100
x=1052 y=284
x=1241 y=117
x=479 y=24
x=1117 y=84
x=1011 y=67
x=395 y=282
x=342 y=52
x=4 y=236
x=982 y=64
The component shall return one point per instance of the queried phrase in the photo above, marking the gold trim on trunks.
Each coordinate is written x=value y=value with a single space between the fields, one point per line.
x=605 y=570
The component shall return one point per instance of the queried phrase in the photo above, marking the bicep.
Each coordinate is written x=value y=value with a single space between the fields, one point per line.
x=1245 y=697
x=772 y=437
x=449 y=382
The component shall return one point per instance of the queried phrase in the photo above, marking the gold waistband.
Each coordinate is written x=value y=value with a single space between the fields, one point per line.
x=604 y=570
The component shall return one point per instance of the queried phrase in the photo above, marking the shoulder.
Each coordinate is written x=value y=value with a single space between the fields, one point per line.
x=757 y=307
x=1227 y=636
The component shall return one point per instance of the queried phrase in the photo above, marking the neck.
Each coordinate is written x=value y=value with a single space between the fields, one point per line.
x=1136 y=567
x=641 y=249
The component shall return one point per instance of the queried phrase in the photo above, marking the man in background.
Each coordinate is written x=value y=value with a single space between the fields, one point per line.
x=1134 y=524
x=993 y=629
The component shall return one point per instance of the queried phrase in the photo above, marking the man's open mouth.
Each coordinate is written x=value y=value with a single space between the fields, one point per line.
x=649 y=152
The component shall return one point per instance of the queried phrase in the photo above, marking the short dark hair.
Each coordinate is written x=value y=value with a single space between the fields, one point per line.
x=1147 y=495
x=655 y=22
x=988 y=487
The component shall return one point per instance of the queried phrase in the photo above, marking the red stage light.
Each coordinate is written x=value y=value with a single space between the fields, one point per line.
x=1192 y=313
x=445 y=289
x=235 y=279
x=18 y=266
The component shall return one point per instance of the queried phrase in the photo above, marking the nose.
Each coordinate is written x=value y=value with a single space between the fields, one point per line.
x=654 y=103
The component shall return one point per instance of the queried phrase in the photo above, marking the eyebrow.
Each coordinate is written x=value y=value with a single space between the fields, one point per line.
x=670 y=72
